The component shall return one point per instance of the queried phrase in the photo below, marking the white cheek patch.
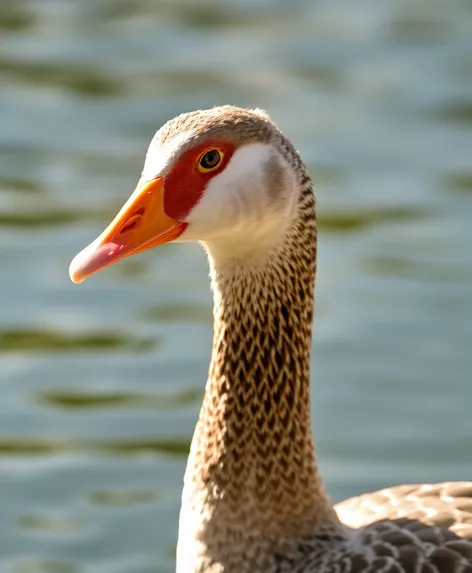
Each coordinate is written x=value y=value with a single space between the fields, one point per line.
x=160 y=158
x=236 y=194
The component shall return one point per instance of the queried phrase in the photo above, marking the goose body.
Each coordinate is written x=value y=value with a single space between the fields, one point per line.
x=253 y=500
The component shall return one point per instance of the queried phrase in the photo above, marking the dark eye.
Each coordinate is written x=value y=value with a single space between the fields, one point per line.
x=210 y=160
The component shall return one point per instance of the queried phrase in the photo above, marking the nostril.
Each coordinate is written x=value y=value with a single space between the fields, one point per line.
x=140 y=211
x=132 y=224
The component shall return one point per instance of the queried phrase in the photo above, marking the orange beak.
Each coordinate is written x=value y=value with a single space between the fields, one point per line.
x=140 y=225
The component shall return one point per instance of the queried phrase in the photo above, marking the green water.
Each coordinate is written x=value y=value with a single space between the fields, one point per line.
x=101 y=384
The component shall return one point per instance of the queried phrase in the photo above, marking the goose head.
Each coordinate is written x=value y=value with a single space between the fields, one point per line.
x=225 y=177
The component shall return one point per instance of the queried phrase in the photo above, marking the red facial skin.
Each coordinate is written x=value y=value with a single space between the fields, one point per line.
x=185 y=183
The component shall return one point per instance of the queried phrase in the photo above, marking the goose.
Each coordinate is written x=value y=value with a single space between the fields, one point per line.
x=253 y=499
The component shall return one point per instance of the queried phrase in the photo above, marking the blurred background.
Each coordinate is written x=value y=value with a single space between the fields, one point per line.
x=101 y=384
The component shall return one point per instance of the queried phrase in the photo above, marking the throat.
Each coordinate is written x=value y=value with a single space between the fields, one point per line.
x=252 y=472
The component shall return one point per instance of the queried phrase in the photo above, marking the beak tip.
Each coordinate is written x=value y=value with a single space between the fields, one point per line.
x=75 y=278
x=74 y=272
x=79 y=268
x=93 y=258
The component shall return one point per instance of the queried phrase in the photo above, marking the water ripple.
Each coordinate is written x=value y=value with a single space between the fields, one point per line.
x=41 y=446
x=83 y=400
x=36 y=340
